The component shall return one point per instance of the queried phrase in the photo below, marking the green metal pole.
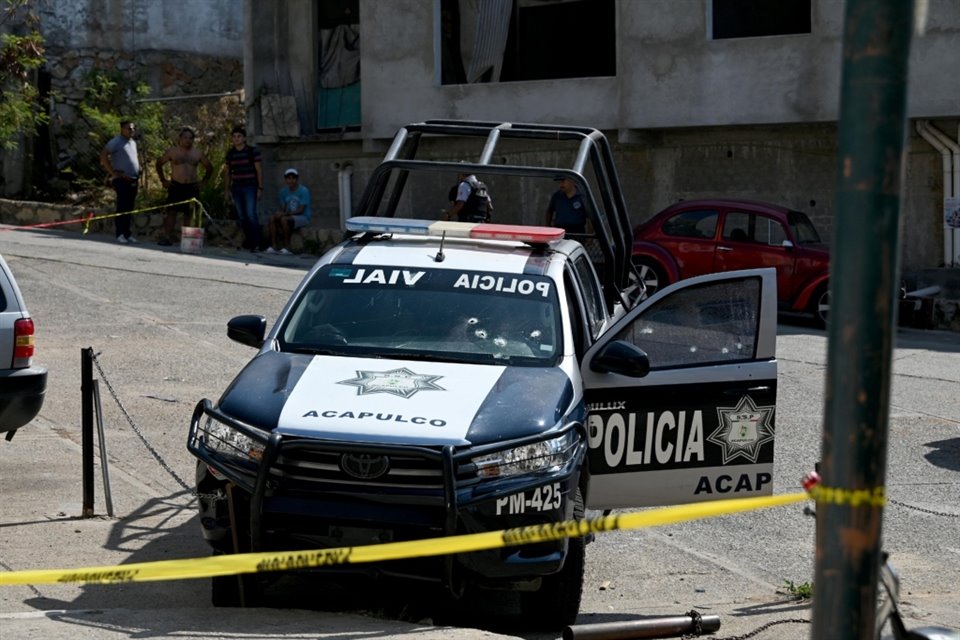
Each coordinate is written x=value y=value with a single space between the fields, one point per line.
x=862 y=316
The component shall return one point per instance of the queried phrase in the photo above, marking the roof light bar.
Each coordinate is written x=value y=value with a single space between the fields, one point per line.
x=476 y=230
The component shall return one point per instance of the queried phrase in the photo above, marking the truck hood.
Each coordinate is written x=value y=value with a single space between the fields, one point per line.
x=396 y=401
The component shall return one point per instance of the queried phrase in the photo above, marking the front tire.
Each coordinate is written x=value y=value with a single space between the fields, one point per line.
x=243 y=589
x=557 y=602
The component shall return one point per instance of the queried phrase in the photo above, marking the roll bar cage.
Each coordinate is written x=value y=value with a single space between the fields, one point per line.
x=611 y=224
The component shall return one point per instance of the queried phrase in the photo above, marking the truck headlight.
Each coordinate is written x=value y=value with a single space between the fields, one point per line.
x=546 y=455
x=227 y=440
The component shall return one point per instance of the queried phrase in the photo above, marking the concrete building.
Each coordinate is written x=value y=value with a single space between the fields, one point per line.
x=699 y=97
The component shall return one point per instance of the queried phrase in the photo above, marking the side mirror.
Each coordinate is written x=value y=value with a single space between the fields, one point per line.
x=248 y=330
x=621 y=357
x=787 y=244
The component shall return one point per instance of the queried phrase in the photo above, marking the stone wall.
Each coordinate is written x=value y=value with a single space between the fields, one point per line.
x=170 y=74
x=184 y=78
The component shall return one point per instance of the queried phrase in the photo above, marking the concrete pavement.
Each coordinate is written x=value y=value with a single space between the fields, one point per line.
x=41 y=528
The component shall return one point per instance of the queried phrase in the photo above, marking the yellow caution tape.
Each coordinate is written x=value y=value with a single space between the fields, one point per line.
x=876 y=497
x=274 y=561
x=197 y=213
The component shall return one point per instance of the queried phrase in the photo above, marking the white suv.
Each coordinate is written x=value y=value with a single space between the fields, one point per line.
x=22 y=385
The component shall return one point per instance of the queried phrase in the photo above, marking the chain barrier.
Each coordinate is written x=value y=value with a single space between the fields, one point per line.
x=923 y=509
x=150 y=448
x=756 y=631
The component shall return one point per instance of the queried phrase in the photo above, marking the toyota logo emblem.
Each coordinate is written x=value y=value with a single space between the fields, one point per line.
x=364 y=466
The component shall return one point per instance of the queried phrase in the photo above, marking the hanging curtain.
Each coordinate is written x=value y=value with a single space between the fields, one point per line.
x=484 y=26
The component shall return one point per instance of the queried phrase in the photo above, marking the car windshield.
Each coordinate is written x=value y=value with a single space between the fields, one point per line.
x=803 y=229
x=432 y=314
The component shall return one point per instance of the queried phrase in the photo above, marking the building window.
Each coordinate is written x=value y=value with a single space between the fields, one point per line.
x=754 y=18
x=511 y=40
x=338 y=97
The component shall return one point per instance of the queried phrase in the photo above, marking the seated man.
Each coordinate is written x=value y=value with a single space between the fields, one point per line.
x=294 y=212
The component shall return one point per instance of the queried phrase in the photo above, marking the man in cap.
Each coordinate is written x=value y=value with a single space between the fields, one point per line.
x=567 y=209
x=294 y=212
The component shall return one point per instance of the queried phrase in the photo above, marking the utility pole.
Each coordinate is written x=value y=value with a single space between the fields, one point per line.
x=863 y=298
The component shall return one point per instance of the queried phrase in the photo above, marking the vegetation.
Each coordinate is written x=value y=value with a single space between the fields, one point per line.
x=111 y=97
x=21 y=54
x=802 y=591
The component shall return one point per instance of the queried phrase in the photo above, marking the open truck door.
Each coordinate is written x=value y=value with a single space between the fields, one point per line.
x=699 y=425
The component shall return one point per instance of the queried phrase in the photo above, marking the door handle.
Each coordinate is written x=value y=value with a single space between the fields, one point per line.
x=740 y=392
x=721 y=248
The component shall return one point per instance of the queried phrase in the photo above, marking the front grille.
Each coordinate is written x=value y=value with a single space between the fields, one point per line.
x=307 y=466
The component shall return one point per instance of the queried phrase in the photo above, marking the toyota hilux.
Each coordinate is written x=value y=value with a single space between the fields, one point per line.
x=432 y=378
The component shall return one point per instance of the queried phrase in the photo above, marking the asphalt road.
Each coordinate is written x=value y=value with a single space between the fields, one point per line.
x=156 y=318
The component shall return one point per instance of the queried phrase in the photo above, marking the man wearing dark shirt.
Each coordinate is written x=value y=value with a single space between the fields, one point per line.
x=244 y=186
x=567 y=209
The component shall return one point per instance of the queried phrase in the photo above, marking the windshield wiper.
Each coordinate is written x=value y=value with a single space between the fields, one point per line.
x=317 y=351
x=419 y=355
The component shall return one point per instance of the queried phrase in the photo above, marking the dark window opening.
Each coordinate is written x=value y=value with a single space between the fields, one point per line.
x=338 y=98
x=755 y=18
x=511 y=40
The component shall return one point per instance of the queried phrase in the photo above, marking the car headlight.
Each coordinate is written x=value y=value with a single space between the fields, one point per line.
x=225 y=439
x=546 y=455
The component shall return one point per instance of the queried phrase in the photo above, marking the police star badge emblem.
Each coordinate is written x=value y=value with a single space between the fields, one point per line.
x=743 y=430
x=399 y=382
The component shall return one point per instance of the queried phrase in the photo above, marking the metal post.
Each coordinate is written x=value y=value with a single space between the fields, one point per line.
x=102 y=441
x=662 y=627
x=86 y=428
x=862 y=316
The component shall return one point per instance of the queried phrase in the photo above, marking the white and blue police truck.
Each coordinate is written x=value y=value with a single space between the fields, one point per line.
x=431 y=378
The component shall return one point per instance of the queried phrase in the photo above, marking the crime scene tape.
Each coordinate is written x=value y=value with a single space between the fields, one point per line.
x=198 y=213
x=291 y=560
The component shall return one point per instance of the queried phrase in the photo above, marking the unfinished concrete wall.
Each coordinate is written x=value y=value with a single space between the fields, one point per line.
x=204 y=27
x=689 y=116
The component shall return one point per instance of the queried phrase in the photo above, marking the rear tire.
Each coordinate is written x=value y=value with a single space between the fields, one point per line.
x=557 y=602
x=651 y=274
x=820 y=306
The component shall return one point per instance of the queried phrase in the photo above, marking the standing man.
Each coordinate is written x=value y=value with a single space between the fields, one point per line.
x=567 y=209
x=183 y=183
x=244 y=186
x=471 y=203
x=119 y=158
x=294 y=211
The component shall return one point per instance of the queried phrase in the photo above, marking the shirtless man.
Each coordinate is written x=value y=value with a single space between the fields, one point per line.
x=183 y=183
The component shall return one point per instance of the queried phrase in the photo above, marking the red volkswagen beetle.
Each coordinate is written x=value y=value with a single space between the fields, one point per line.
x=695 y=237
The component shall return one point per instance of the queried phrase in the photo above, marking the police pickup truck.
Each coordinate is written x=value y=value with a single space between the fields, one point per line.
x=431 y=378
